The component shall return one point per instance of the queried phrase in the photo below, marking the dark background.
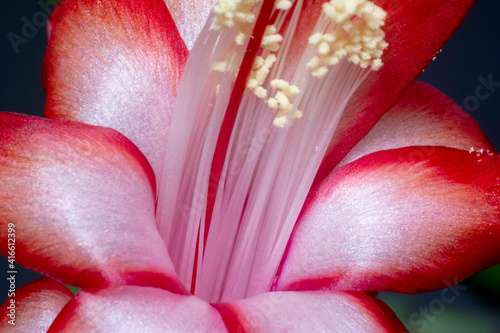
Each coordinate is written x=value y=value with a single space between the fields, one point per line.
x=473 y=51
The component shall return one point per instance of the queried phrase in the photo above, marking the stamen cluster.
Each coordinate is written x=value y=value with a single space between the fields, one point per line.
x=357 y=36
x=259 y=73
x=237 y=14
x=281 y=102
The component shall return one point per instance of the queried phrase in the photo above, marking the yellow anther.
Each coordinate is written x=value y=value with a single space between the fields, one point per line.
x=323 y=48
x=281 y=121
x=259 y=73
x=260 y=92
x=222 y=66
x=271 y=39
x=219 y=66
x=357 y=36
x=240 y=38
x=317 y=66
x=273 y=103
x=282 y=102
x=229 y=13
x=285 y=87
x=283 y=4
x=237 y=14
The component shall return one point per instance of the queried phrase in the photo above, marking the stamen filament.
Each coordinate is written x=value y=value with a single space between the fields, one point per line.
x=243 y=170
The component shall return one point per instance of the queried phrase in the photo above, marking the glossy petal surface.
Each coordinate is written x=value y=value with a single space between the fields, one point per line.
x=137 y=309
x=398 y=221
x=116 y=64
x=35 y=305
x=82 y=200
x=422 y=116
x=320 y=311
x=190 y=16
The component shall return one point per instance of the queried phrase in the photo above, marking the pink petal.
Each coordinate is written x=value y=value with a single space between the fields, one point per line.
x=34 y=306
x=116 y=64
x=422 y=116
x=190 y=17
x=137 y=309
x=81 y=201
x=320 y=311
x=415 y=36
x=400 y=221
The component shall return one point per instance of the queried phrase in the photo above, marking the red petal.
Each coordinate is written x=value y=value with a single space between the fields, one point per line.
x=80 y=200
x=415 y=30
x=34 y=306
x=137 y=309
x=54 y=18
x=422 y=116
x=190 y=17
x=321 y=311
x=116 y=64
x=406 y=220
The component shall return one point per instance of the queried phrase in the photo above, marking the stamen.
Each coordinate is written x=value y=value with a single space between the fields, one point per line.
x=219 y=66
x=222 y=66
x=229 y=201
x=356 y=35
x=271 y=39
x=259 y=73
x=237 y=14
x=282 y=103
x=283 y=4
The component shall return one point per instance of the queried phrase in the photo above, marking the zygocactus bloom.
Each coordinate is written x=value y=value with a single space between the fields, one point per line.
x=295 y=173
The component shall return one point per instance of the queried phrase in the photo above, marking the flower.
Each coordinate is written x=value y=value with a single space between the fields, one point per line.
x=224 y=222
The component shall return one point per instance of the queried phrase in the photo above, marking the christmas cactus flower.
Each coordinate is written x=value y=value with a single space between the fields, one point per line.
x=267 y=171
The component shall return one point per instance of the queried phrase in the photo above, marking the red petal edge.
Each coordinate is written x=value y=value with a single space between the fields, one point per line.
x=68 y=191
x=117 y=64
x=33 y=307
x=406 y=220
x=422 y=116
x=137 y=309
x=320 y=311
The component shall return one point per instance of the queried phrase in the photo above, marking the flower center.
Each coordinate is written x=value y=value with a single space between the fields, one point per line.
x=257 y=107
